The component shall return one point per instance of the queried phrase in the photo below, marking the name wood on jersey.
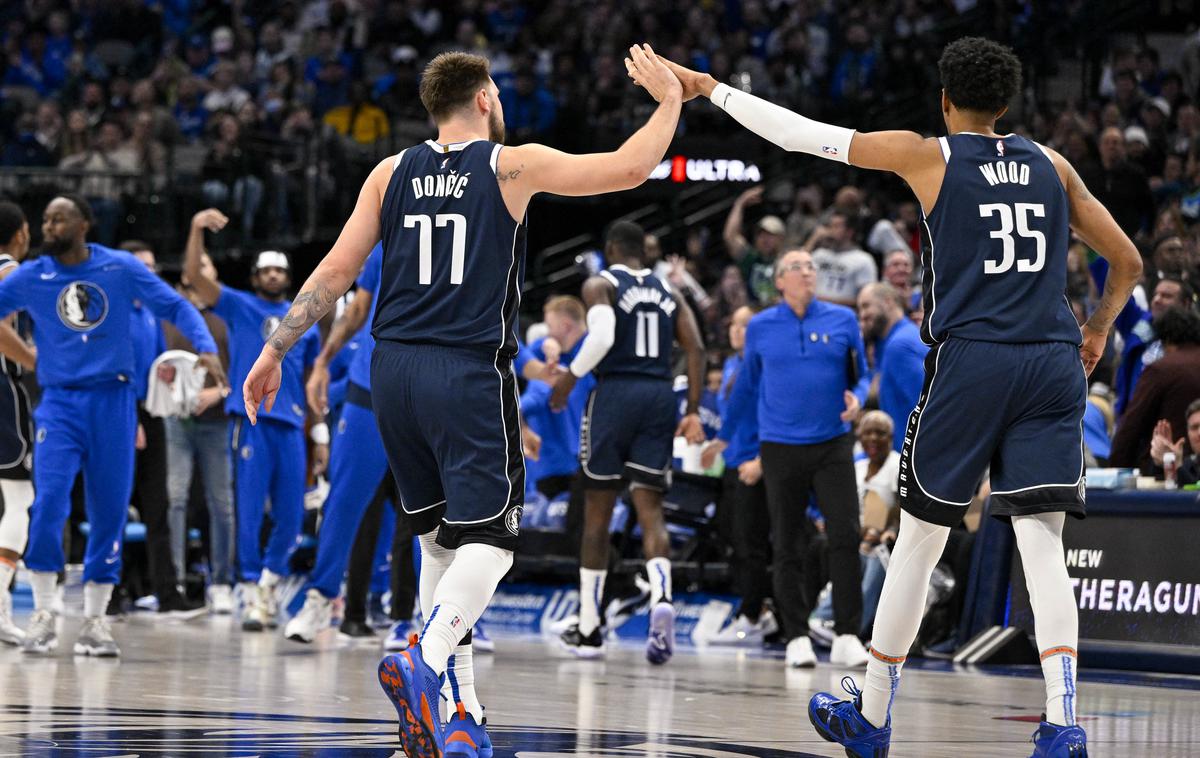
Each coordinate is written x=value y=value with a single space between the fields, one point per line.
x=441 y=185
x=637 y=295
x=1002 y=172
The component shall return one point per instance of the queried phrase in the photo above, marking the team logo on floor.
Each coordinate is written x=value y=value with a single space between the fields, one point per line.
x=71 y=730
x=82 y=306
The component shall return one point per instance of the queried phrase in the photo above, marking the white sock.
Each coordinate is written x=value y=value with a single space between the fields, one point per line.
x=268 y=578
x=460 y=683
x=95 y=599
x=44 y=592
x=435 y=559
x=460 y=599
x=659 y=572
x=919 y=545
x=591 y=590
x=1055 y=617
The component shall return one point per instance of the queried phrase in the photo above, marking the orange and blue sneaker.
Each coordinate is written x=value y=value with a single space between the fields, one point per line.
x=841 y=721
x=1054 y=741
x=465 y=738
x=414 y=690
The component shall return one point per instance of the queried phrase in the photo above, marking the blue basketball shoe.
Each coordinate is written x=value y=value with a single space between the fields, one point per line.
x=1054 y=741
x=465 y=738
x=414 y=690
x=841 y=721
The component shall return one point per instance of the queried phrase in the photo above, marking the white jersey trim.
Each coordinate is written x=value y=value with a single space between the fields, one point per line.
x=495 y=160
x=945 y=145
x=399 y=157
x=453 y=147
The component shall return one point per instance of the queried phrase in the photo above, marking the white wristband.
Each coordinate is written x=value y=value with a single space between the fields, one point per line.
x=319 y=433
x=789 y=130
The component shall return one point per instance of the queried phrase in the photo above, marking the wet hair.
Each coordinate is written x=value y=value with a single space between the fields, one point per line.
x=450 y=81
x=81 y=205
x=628 y=238
x=12 y=218
x=1178 y=327
x=979 y=74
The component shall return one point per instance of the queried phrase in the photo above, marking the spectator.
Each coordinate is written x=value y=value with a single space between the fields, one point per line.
x=328 y=70
x=229 y=176
x=360 y=120
x=899 y=351
x=107 y=168
x=529 y=108
x=853 y=79
x=190 y=114
x=26 y=149
x=1164 y=391
x=1142 y=346
x=756 y=262
x=744 y=499
x=804 y=216
x=77 y=136
x=1187 y=458
x=1121 y=186
x=843 y=267
x=804 y=396
x=728 y=296
x=224 y=95
x=898 y=272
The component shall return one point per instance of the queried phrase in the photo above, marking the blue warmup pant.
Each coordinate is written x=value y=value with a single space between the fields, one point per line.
x=269 y=460
x=90 y=429
x=357 y=466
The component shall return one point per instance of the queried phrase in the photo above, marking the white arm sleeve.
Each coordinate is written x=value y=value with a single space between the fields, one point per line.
x=602 y=330
x=789 y=130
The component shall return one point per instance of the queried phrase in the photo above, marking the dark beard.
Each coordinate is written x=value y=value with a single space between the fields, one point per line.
x=57 y=248
x=495 y=128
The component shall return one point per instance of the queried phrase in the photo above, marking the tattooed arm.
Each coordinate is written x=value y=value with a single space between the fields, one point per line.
x=332 y=277
x=1092 y=222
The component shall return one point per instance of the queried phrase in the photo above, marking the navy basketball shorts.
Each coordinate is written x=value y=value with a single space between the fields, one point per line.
x=450 y=423
x=16 y=429
x=628 y=433
x=1016 y=408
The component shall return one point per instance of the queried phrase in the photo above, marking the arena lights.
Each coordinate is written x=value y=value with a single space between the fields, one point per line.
x=682 y=169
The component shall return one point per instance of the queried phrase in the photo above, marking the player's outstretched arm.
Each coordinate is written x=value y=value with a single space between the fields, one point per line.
x=205 y=287
x=530 y=169
x=904 y=153
x=316 y=388
x=1097 y=228
x=598 y=294
x=327 y=283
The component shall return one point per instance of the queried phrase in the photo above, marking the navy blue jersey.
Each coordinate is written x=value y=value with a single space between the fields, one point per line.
x=453 y=256
x=994 y=246
x=645 y=327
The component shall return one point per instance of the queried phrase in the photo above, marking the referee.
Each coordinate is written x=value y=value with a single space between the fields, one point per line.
x=804 y=378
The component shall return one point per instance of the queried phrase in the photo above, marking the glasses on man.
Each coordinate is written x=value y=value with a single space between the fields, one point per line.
x=798 y=266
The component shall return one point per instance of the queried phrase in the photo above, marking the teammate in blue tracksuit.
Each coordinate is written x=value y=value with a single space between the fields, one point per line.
x=358 y=464
x=899 y=351
x=269 y=459
x=81 y=299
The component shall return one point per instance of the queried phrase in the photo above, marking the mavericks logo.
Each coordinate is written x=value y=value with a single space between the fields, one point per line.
x=512 y=519
x=269 y=324
x=82 y=306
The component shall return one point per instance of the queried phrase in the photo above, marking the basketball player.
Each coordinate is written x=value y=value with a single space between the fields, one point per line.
x=629 y=428
x=268 y=458
x=1006 y=352
x=453 y=250
x=81 y=297
x=16 y=430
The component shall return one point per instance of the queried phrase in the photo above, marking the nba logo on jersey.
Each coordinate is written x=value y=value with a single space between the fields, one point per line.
x=1000 y=148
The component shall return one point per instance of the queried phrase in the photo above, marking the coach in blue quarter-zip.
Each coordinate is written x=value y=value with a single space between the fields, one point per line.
x=81 y=299
x=805 y=377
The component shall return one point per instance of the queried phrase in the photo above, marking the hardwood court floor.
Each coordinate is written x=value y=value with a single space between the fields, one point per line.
x=203 y=688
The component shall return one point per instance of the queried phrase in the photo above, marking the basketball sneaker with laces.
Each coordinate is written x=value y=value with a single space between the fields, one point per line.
x=580 y=645
x=1054 y=741
x=465 y=738
x=42 y=634
x=415 y=691
x=841 y=721
x=660 y=643
x=312 y=618
x=95 y=639
x=10 y=633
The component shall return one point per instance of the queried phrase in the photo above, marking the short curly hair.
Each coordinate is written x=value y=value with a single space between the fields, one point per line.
x=979 y=74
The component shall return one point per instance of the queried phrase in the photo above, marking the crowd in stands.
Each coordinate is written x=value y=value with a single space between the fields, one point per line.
x=123 y=96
